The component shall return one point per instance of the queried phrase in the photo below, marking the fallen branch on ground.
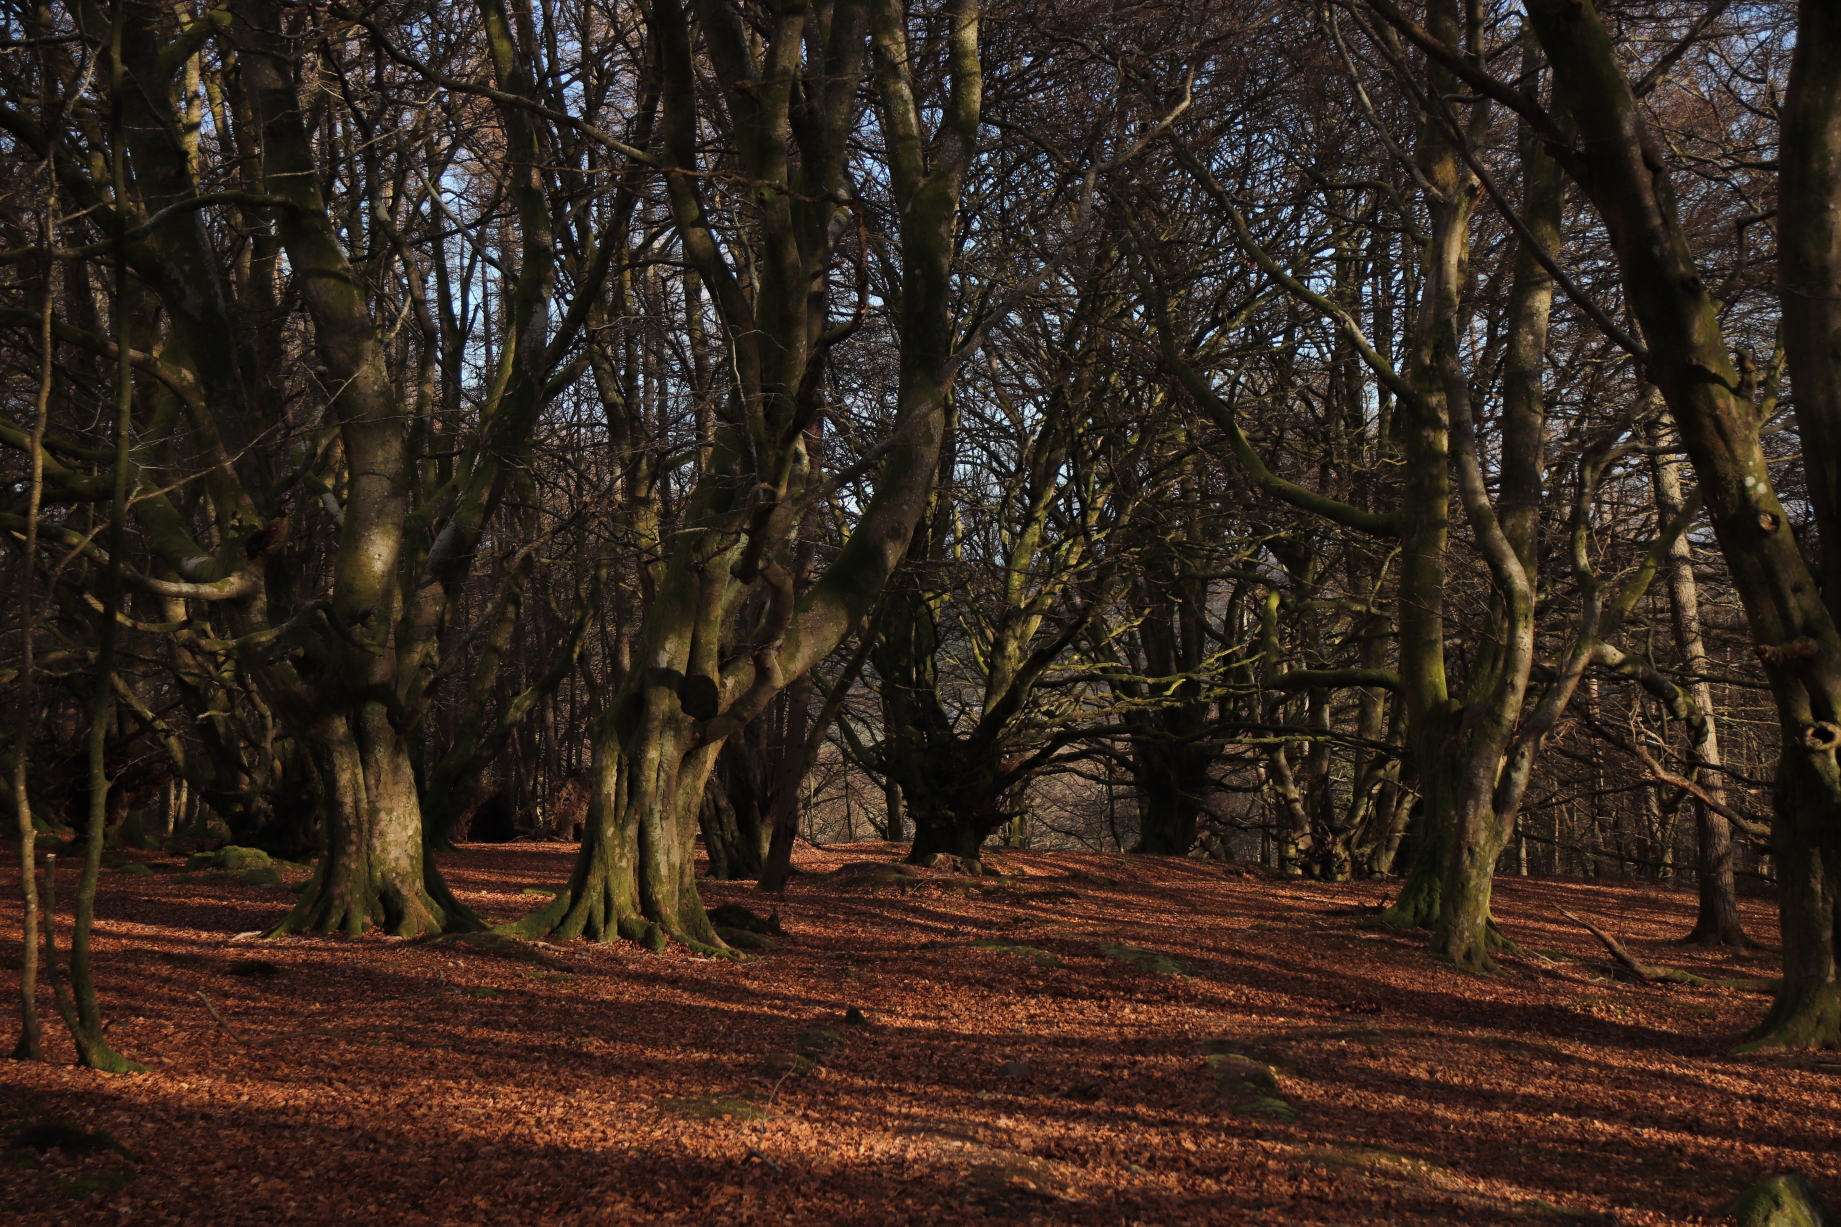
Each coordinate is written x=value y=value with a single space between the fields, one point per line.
x=1650 y=973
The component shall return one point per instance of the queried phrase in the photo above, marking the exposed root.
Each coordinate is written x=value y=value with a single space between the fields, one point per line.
x=1650 y=973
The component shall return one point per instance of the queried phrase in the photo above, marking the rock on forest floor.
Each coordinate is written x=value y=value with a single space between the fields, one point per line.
x=1088 y=1039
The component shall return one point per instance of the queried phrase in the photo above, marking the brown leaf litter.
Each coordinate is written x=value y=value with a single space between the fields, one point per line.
x=1083 y=1039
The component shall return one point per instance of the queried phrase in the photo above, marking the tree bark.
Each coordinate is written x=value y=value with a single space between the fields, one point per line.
x=1716 y=921
x=1619 y=164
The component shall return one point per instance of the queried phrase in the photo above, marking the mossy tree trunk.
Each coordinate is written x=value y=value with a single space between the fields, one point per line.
x=1620 y=166
x=659 y=739
x=1471 y=749
x=373 y=870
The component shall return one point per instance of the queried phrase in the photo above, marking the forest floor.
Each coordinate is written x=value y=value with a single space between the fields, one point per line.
x=1097 y=1039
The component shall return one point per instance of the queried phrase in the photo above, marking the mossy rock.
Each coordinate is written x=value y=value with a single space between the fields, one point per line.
x=735 y=916
x=1276 y=1108
x=744 y=939
x=716 y=1107
x=1143 y=960
x=1265 y=1056
x=1779 y=1201
x=1013 y=1177
x=240 y=860
x=137 y=871
x=786 y=1064
x=263 y=876
x=1251 y=1085
x=815 y=1042
x=1041 y=957
x=233 y=858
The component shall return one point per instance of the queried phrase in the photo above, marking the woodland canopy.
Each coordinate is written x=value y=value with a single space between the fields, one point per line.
x=1372 y=440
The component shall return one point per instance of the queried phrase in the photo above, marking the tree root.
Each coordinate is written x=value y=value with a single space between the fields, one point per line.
x=1650 y=973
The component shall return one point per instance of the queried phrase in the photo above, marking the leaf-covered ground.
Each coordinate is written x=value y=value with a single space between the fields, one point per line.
x=1089 y=1039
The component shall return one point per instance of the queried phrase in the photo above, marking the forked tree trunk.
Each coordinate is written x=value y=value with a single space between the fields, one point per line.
x=634 y=876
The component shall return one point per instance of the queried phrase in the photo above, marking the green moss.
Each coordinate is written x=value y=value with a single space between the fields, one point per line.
x=1144 y=960
x=233 y=858
x=263 y=876
x=546 y=891
x=643 y=933
x=817 y=1041
x=1380 y=1161
x=1251 y=1084
x=716 y=1107
x=884 y=879
x=486 y=993
x=1268 y=1106
x=136 y=871
x=1779 y=1201
x=498 y=945
x=744 y=939
x=1041 y=957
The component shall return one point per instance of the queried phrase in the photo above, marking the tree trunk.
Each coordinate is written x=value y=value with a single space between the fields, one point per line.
x=1717 y=921
x=373 y=871
x=1172 y=781
x=1619 y=164
x=737 y=820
